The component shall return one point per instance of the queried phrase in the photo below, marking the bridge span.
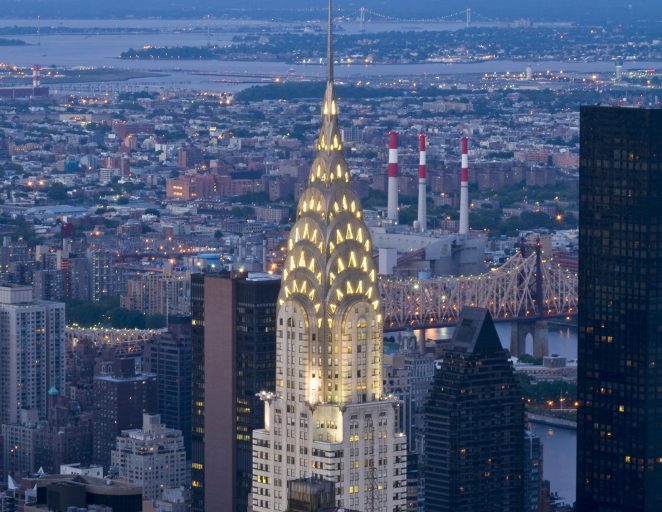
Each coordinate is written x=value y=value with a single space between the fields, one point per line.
x=528 y=289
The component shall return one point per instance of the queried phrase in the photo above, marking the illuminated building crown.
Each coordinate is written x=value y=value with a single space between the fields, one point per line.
x=329 y=270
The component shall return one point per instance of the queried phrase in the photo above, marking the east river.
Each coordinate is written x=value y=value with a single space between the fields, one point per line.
x=102 y=50
x=559 y=444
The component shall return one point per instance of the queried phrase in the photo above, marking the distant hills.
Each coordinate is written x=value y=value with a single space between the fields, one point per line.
x=570 y=10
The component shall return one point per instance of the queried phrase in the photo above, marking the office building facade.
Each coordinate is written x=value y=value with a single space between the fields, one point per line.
x=619 y=440
x=474 y=442
x=169 y=358
x=234 y=354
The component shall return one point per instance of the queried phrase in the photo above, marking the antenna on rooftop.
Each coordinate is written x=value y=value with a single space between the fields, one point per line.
x=329 y=46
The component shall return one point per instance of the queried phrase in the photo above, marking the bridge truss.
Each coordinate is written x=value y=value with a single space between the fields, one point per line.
x=525 y=287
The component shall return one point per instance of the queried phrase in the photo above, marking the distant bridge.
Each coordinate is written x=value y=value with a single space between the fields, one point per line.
x=464 y=16
x=526 y=289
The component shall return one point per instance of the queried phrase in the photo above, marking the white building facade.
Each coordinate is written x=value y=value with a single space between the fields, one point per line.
x=329 y=417
x=153 y=457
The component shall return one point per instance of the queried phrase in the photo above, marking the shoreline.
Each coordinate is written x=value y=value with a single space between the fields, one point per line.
x=551 y=421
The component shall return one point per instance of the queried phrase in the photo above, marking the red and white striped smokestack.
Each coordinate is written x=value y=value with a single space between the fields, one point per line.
x=36 y=79
x=464 y=189
x=392 y=212
x=422 y=182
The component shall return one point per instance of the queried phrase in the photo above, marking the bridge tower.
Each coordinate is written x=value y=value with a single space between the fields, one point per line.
x=535 y=326
x=468 y=16
x=537 y=329
x=362 y=18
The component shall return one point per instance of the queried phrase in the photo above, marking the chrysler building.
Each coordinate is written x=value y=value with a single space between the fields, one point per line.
x=328 y=417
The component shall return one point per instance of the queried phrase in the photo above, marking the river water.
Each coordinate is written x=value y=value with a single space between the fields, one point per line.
x=103 y=50
x=559 y=444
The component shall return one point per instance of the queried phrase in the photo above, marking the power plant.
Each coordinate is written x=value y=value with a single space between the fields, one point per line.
x=422 y=184
x=416 y=251
x=392 y=214
x=22 y=91
x=464 y=188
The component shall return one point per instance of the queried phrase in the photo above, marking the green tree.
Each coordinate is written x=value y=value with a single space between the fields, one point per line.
x=122 y=318
x=57 y=192
x=156 y=321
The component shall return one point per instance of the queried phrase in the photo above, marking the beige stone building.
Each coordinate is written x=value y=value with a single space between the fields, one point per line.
x=328 y=416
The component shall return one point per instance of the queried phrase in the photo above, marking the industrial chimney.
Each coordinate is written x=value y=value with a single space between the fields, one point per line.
x=464 y=189
x=36 y=79
x=392 y=213
x=422 y=181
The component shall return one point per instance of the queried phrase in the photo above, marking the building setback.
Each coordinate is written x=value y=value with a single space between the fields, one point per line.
x=234 y=351
x=474 y=441
x=619 y=377
x=152 y=457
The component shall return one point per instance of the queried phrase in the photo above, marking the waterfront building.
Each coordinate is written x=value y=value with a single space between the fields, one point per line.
x=619 y=445
x=32 y=352
x=152 y=457
x=534 y=493
x=474 y=442
x=328 y=416
x=234 y=357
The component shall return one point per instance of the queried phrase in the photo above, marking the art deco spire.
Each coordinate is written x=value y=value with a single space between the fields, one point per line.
x=328 y=414
x=330 y=134
x=329 y=46
x=329 y=266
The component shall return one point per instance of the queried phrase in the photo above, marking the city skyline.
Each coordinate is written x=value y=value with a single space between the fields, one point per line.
x=438 y=294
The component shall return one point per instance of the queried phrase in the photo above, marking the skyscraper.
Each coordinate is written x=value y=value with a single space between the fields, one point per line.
x=31 y=352
x=533 y=473
x=474 y=442
x=619 y=439
x=122 y=393
x=234 y=354
x=169 y=358
x=328 y=416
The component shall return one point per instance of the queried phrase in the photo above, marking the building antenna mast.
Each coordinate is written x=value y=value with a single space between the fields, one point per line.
x=329 y=46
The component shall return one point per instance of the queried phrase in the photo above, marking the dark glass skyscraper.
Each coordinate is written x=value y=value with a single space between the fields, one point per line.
x=169 y=358
x=474 y=442
x=234 y=357
x=122 y=393
x=619 y=430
